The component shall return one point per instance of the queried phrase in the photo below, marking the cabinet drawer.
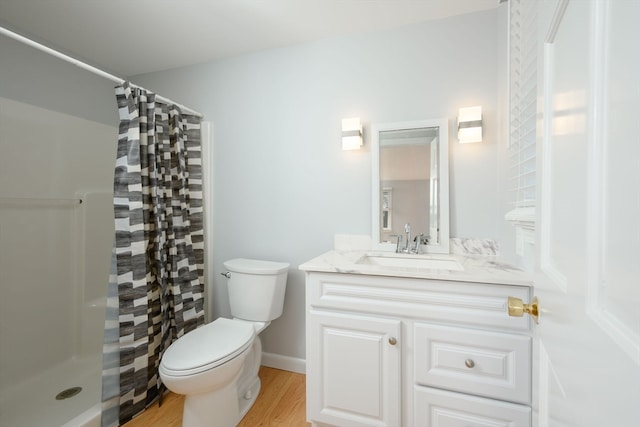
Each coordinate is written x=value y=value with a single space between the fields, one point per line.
x=438 y=408
x=490 y=364
x=478 y=304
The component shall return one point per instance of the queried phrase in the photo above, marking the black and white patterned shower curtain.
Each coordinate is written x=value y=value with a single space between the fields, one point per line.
x=156 y=281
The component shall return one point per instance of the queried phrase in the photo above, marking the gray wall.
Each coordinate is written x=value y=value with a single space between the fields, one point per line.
x=33 y=77
x=282 y=185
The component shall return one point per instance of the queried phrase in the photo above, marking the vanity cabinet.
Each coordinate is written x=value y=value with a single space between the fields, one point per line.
x=401 y=352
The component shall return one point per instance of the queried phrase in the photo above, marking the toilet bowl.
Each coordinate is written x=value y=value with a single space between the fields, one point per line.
x=216 y=366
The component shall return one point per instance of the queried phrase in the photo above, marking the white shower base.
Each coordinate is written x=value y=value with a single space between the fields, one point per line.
x=32 y=403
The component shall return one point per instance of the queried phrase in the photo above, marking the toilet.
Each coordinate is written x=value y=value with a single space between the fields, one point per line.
x=216 y=366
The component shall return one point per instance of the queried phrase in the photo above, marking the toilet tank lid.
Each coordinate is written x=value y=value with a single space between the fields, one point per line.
x=254 y=266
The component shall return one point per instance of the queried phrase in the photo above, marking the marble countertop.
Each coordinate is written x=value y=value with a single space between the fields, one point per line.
x=479 y=269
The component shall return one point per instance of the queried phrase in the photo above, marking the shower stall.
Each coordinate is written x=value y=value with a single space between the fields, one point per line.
x=56 y=233
x=59 y=131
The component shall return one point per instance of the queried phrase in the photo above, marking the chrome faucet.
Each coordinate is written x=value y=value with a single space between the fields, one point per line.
x=407 y=232
x=406 y=248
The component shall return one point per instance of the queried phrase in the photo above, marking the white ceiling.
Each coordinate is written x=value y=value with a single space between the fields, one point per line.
x=129 y=37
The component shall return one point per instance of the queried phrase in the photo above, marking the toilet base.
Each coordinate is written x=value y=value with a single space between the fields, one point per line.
x=215 y=409
x=249 y=382
x=226 y=406
x=246 y=402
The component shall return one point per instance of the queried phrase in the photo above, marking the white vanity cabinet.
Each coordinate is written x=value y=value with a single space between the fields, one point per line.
x=401 y=352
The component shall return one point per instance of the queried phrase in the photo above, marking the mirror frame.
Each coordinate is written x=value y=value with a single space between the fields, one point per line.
x=443 y=164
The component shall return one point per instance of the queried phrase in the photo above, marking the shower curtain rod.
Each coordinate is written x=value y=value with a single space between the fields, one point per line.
x=87 y=67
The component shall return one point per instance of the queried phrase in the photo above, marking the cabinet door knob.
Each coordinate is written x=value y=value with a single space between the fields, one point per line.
x=393 y=341
x=469 y=363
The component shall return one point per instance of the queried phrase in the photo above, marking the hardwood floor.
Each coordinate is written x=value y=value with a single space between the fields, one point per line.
x=281 y=403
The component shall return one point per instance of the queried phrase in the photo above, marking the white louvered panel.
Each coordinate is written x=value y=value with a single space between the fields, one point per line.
x=523 y=60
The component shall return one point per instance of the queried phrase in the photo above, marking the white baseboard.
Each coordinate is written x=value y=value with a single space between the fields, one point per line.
x=285 y=363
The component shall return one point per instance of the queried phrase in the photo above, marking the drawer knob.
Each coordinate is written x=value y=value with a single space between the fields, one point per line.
x=393 y=341
x=517 y=308
x=469 y=363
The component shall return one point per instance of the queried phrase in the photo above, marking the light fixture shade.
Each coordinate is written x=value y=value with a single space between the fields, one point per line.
x=351 y=134
x=470 y=124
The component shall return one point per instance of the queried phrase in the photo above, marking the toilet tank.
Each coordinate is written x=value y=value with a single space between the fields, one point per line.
x=256 y=288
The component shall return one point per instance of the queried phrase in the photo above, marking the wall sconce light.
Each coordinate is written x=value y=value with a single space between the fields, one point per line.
x=351 y=134
x=470 y=124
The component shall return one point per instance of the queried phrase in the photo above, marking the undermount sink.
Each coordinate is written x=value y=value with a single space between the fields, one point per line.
x=430 y=262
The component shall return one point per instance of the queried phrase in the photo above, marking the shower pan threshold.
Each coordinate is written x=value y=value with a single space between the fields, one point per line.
x=33 y=402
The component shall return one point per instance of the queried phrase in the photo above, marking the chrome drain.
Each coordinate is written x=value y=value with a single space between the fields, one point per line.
x=68 y=393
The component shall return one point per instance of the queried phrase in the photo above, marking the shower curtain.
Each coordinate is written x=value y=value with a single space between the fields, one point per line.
x=156 y=281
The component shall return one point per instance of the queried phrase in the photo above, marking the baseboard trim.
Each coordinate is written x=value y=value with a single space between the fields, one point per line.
x=285 y=363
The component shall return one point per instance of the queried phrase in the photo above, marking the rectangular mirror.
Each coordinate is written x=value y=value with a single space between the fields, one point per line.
x=410 y=182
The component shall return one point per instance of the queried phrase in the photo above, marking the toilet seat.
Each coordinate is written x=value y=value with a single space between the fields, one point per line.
x=207 y=347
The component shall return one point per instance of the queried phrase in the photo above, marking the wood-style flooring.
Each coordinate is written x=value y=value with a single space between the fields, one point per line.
x=281 y=403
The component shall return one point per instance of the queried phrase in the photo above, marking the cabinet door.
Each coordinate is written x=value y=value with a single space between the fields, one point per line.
x=353 y=369
x=439 y=408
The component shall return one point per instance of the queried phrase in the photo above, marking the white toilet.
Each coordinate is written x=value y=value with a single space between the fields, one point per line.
x=216 y=366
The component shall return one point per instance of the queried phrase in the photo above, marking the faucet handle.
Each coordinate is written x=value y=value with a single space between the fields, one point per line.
x=418 y=240
x=398 y=242
x=423 y=239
